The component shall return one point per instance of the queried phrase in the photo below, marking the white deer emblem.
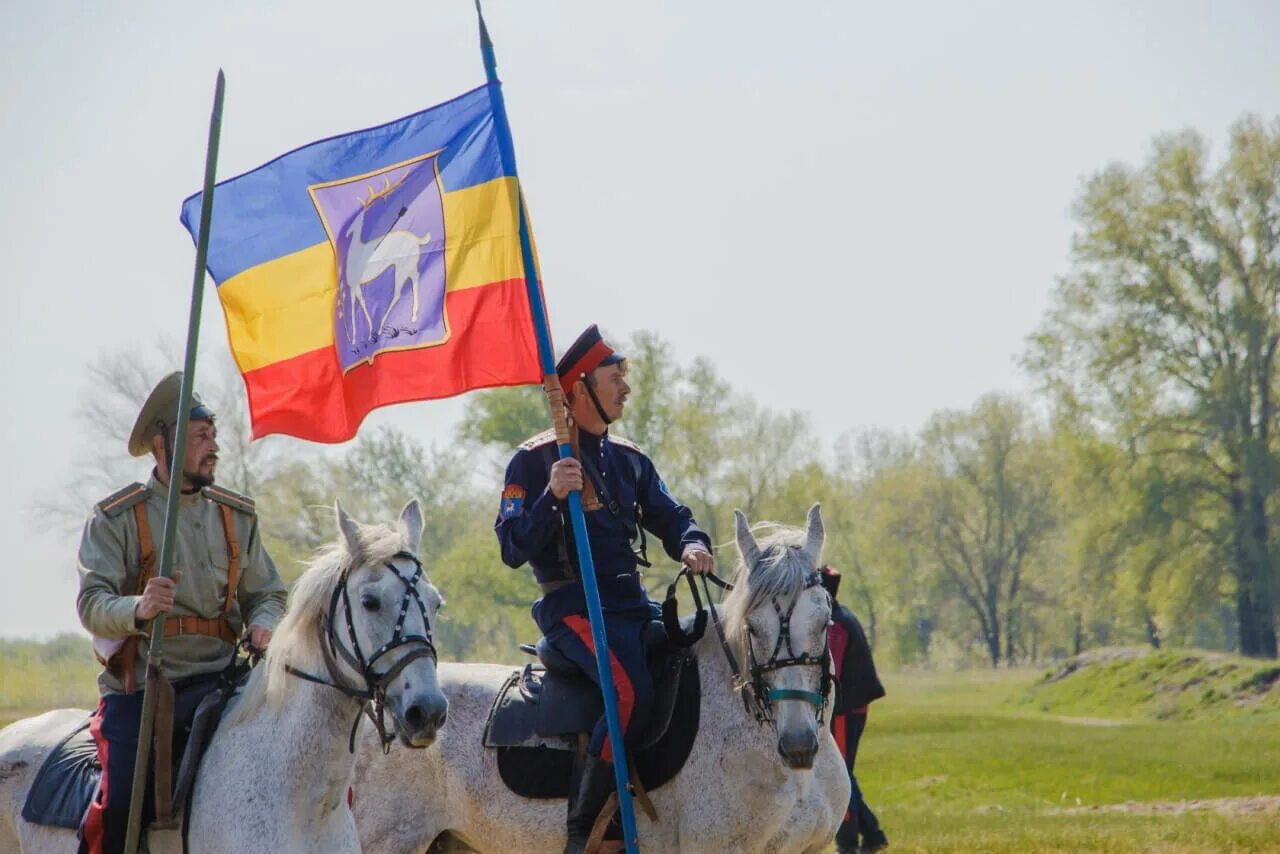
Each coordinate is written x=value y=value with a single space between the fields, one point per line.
x=366 y=261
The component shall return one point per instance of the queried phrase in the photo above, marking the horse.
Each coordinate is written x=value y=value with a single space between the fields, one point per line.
x=276 y=773
x=763 y=773
x=367 y=260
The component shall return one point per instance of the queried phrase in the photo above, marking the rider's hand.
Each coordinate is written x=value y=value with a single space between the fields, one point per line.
x=566 y=477
x=698 y=559
x=259 y=638
x=157 y=596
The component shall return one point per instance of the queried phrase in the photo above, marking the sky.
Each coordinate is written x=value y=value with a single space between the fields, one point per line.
x=857 y=210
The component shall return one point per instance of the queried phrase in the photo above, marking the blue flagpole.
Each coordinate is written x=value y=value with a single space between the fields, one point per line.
x=551 y=384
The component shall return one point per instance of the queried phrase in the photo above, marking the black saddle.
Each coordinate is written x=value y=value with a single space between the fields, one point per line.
x=539 y=713
x=68 y=779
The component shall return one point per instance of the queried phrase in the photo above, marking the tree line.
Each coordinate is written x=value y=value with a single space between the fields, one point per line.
x=1129 y=500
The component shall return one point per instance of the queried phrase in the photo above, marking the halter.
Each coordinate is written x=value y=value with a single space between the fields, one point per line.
x=375 y=682
x=756 y=697
x=764 y=698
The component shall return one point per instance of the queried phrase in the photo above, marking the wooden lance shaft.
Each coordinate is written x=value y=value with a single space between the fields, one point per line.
x=155 y=650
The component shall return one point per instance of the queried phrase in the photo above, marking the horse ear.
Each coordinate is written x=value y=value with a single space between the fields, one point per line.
x=815 y=535
x=746 y=541
x=348 y=529
x=411 y=521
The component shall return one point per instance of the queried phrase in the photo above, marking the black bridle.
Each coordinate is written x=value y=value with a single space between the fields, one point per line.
x=375 y=682
x=756 y=696
x=765 y=698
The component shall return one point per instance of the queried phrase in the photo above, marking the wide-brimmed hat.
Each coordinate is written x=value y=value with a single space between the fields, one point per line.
x=159 y=412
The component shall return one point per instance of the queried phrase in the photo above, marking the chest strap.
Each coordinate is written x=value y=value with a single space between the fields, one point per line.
x=233 y=558
x=218 y=627
x=146 y=551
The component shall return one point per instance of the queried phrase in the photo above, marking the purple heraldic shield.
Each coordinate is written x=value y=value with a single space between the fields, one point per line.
x=387 y=232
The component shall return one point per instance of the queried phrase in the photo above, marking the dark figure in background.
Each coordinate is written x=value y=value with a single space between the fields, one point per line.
x=858 y=687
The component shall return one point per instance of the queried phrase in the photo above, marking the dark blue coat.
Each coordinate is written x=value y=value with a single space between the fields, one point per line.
x=533 y=526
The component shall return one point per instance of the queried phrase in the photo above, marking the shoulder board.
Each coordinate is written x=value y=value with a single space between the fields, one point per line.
x=234 y=500
x=121 y=500
x=625 y=443
x=538 y=441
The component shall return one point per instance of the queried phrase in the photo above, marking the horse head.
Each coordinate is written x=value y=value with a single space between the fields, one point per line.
x=388 y=606
x=778 y=614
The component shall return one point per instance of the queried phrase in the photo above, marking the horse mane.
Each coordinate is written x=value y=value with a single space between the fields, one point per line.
x=296 y=639
x=781 y=573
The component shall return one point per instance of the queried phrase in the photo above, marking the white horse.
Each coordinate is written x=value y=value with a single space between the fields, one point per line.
x=276 y=774
x=365 y=262
x=773 y=783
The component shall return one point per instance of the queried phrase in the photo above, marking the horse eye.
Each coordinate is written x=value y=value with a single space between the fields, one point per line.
x=370 y=602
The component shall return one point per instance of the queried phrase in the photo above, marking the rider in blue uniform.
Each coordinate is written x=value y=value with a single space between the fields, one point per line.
x=532 y=528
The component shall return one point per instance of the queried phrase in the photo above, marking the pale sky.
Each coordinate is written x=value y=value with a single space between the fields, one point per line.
x=856 y=209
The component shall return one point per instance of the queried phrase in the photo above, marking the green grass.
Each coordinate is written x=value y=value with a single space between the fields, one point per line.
x=35 y=676
x=997 y=761
x=956 y=762
x=1172 y=684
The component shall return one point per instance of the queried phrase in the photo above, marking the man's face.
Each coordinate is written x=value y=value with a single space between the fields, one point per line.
x=612 y=389
x=200 y=460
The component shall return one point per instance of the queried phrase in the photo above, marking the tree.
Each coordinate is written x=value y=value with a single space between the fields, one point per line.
x=1166 y=331
x=986 y=507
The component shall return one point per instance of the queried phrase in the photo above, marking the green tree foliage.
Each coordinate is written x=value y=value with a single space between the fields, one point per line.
x=1166 y=331
x=986 y=507
x=504 y=417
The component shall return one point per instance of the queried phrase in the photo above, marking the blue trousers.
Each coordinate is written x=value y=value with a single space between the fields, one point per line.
x=630 y=669
x=115 y=729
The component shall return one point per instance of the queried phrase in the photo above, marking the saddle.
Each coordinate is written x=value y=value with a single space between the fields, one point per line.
x=68 y=779
x=542 y=714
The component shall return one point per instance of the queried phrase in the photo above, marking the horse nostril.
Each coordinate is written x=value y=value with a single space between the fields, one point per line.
x=415 y=716
x=440 y=716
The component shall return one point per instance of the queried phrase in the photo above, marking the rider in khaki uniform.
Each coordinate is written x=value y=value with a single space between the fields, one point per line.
x=224 y=584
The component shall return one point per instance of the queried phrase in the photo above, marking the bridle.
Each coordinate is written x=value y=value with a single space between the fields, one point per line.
x=373 y=693
x=756 y=696
x=765 y=698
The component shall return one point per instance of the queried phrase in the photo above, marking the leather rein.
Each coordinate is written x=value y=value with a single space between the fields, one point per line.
x=757 y=698
x=373 y=692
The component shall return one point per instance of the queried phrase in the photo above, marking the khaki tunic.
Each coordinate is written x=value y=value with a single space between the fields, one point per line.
x=109 y=564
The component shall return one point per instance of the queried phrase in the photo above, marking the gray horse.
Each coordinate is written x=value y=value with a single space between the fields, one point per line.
x=747 y=786
x=276 y=773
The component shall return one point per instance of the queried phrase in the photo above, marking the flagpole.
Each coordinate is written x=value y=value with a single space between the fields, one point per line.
x=155 y=651
x=555 y=400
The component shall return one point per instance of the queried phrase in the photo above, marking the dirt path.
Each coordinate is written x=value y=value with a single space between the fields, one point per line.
x=1255 y=805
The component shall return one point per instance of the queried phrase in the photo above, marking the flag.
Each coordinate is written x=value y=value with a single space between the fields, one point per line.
x=377 y=267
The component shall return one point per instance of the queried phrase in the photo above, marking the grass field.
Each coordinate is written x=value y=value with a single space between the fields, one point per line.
x=1106 y=759
x=964 y=762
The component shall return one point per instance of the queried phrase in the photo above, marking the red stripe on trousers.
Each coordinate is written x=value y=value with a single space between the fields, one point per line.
x=621 y=682
x=838 y=730
x=93 y=830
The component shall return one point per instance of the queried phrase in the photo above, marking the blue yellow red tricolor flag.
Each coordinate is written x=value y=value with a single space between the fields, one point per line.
x=373 y=268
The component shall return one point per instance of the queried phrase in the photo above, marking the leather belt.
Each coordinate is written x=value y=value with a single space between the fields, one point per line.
x=216 y=627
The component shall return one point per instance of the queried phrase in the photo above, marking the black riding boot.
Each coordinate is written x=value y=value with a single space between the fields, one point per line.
x=586 y=799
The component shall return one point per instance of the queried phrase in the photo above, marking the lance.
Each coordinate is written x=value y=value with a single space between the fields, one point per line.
x=555 y=400
x=155 y=650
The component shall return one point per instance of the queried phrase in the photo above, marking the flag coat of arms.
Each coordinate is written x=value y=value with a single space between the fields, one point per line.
x=377 y=267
